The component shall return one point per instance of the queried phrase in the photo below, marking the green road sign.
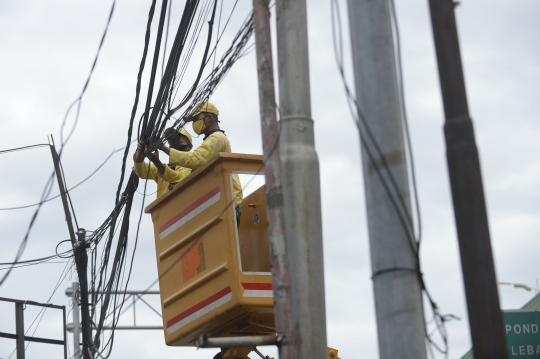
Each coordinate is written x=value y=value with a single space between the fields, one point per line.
x=522 y=328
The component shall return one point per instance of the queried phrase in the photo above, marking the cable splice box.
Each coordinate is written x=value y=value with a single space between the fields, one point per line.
x=214 y=276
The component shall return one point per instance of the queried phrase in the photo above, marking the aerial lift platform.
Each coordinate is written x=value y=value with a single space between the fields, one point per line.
x=214 y=273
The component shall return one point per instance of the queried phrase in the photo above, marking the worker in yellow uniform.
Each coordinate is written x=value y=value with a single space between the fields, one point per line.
x=205 y=121
x=165 y=176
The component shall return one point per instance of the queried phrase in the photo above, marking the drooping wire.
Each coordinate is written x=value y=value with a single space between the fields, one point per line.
x=211 y=82
x=166 y=38
x=22 y=246
x=23 y=148
x=363 y=128
x=438 y=318
x=48 y=186
x=208 y=86
x=79 y=99
x=154 y=64
x=137 y=93
x=123 y=205
x=152 y=123
x=72 y=188
x=38 y=260
x=201 y=235
x=405 y=121
x=111 y=278
x=217 y=37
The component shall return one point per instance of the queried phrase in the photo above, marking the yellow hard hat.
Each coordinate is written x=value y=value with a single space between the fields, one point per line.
x=181 y=131
x=204 y=107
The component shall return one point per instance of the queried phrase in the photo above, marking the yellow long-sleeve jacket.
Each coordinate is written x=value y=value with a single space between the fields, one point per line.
x=213 y=144
x=150 y=171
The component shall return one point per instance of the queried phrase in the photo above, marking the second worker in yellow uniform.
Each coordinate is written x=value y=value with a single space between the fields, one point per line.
x=205 y=121
x=157 y=171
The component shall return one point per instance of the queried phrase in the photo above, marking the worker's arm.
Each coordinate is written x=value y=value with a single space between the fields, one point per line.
x=154 y=157
x=197 y=158
x=145 y=170
x=138 y=157
x=172 y=176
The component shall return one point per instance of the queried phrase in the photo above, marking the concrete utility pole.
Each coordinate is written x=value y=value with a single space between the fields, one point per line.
x=272 y=172
x=483 y=306
x=397 y=290
x=301 y=183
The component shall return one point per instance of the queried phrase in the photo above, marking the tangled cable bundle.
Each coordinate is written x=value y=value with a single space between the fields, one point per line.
x=108 y=270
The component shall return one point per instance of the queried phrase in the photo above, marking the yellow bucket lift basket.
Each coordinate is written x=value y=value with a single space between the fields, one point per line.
x=214 y=277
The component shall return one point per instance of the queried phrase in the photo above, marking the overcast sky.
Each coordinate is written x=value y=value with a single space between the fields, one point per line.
x=46 y=51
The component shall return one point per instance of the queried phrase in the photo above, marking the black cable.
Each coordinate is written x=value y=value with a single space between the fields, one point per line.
x=58 y=245
x=72 y=188
x=166 y=38
x=227 y=206
x=119 y=257
x=406 y=124
x=23 y=148
x=131 y=263
x=217 y=37
x=33 y=264
x=405 y=222
x=187 y=97
x=79 y=99
x=154 y=68
x=363 y=129
x=22 y=246
x=208 y=86
x=48 y=185
x=214 y=50
x=137 y=93
x=38 y=259
x=186 y=55
x=151 y=124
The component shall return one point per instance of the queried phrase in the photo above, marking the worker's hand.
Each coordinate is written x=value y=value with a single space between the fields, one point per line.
x=139 y=155
x=154 y=157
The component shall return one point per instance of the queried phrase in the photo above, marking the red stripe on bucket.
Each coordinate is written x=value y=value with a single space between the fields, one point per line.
x=189 y=209
x=199 y=306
